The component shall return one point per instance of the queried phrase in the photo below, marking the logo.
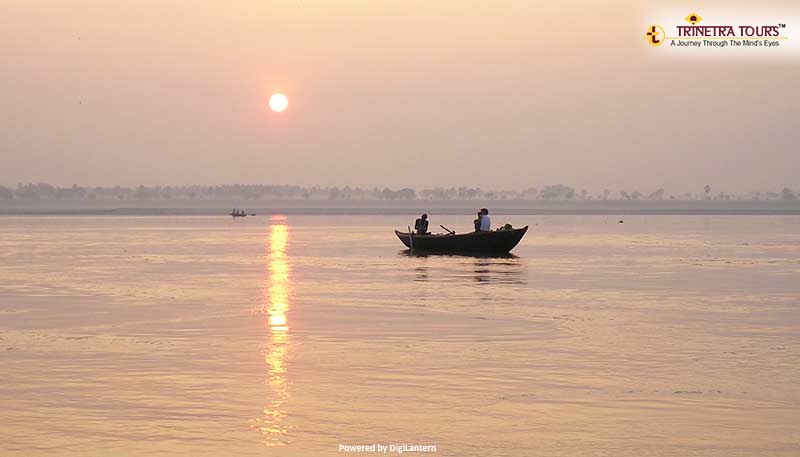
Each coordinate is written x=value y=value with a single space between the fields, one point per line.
x=717 y=36
x=655 y=35
x=693 y=18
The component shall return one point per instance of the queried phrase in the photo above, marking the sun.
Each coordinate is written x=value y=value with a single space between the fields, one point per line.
x=278 y=103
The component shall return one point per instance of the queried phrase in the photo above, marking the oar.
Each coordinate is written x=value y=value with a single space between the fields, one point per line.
x=410 y=239
x=452 y=232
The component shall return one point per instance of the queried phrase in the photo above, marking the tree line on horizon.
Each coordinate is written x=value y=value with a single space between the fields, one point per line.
x=45 y=191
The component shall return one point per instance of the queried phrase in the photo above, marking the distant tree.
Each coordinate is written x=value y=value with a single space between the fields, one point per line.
x=40 y=191
x=389 y=194
x=475 y=193
x=70 y=193
x=44 y=191
x=557 y=192
x=141 y=193
x=6 y=193
x=530 y=193
x=120 y=193
x=406 y=194
x=440 y=193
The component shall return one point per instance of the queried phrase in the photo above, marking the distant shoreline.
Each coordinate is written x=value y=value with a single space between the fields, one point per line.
x=449 y=207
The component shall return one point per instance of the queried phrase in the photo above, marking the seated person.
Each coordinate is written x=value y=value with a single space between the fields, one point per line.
x=421 y=225
x=477 y=222
x=486 y=222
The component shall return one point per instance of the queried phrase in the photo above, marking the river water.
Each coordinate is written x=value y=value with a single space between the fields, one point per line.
x=295 y=335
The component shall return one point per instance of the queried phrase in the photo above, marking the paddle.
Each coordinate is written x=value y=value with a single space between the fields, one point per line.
x=452 y=232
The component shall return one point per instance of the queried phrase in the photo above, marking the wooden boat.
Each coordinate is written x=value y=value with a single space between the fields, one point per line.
x=499 y=241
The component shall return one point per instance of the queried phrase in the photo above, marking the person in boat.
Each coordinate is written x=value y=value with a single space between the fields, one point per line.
x=486 y=222
x=477 y=222
x=421 y=225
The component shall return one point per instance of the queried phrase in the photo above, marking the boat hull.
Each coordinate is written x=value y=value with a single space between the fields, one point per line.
x=501 y=241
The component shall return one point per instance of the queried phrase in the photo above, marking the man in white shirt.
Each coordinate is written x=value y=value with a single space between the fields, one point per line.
x=486 y=222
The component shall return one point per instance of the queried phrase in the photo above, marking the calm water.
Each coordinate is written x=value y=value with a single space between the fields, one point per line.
x=663 y=336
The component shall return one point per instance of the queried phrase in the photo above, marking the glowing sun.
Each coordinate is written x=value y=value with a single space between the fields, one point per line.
x=278 y=103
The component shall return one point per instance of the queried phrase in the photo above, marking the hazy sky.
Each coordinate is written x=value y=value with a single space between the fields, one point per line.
x=493 y=94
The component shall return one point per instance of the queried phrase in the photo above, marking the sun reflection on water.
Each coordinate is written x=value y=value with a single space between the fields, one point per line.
x=273 y=423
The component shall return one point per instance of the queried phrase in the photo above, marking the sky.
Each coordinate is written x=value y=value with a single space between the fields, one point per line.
x=500 y=95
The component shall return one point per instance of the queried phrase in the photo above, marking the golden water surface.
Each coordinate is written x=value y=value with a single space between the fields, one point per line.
x=291 y=335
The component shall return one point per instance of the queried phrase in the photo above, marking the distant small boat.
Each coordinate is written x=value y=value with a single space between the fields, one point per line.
x=236 y=214
x=500 y=241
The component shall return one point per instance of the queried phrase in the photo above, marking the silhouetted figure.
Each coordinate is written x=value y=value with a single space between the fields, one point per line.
x=486 y=222
x=421 y=225
x=477 y=222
